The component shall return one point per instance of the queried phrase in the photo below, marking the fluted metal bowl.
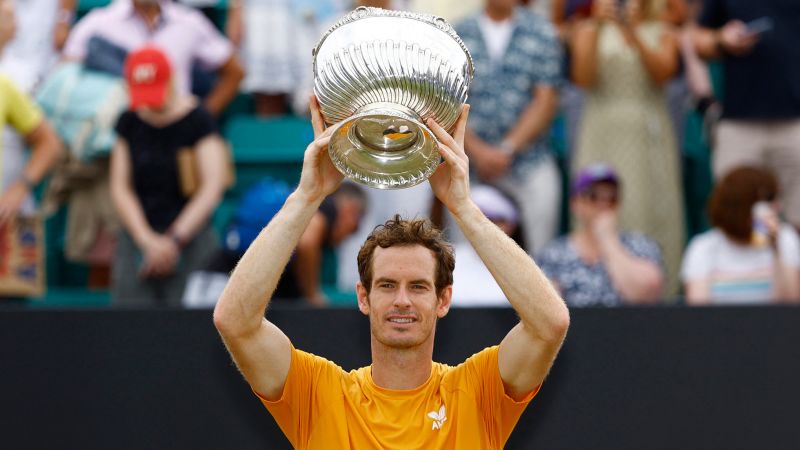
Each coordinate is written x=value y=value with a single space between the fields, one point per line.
x=383 y=73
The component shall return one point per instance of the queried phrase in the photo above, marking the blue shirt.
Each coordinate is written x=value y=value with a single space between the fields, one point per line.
x=584 y=284
x=499 y=93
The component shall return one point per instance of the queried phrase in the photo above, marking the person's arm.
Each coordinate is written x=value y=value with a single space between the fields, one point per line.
x=46 y=150
x=308 y=259
x=261 y=350
x=733 y=39
x=786 y=279
x=230 y=75
x=697 y=292
x=160 y=252
x=527 y=352
x=534 y=120
x=661 y=62
x=64 y=18
x=233 y=24
x=584 y=42
x=212 y=164
x=638 y=280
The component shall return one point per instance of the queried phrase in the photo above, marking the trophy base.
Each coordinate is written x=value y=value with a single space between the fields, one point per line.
x=385 y=146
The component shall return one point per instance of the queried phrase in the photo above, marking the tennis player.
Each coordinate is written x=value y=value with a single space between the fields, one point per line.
x=403 y=400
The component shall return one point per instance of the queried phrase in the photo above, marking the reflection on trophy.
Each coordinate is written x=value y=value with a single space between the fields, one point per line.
x=384 y=73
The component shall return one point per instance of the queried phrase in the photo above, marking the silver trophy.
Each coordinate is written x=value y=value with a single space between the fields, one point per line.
x=384 y=73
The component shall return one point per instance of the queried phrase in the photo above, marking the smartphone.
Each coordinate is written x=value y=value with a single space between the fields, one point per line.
x=758 y=26
x=760 y=211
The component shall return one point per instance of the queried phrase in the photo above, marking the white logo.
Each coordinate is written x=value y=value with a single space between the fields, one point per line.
x=438 y=418
x=144 y=73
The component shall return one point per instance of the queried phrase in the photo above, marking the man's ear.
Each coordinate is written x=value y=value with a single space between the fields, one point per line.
x=363 y=300
x=445 y=300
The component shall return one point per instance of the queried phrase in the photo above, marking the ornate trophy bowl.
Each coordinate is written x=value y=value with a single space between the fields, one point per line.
x=383 y=73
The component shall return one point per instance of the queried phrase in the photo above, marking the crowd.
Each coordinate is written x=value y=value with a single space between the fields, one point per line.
x=583 y=114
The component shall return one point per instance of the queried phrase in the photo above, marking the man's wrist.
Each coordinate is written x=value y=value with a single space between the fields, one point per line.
x=507 y=147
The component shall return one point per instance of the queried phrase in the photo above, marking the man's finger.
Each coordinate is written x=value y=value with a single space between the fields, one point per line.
x=317 y=122
x=442 y=134
x=461 y=125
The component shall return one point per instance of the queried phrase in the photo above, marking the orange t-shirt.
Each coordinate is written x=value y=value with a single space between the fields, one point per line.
x=324 y=407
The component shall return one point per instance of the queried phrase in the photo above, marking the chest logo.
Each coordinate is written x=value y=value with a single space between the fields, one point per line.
x=438 y=418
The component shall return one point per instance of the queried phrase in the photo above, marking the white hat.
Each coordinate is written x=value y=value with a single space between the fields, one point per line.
x=494 y=204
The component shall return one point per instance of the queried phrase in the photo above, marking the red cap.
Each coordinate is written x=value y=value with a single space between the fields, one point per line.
x=148 y=74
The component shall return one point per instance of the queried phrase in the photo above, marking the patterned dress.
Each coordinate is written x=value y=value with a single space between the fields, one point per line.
x=626 y=124
x=584 y=284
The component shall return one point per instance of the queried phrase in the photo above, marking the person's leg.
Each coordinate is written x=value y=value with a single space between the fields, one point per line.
x=195 y=256
x=739 y=143
x=784 y=161
x=127 y=289
x=538 y=196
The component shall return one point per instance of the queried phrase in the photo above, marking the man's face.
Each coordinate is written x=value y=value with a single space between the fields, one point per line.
x=8 y=25
x=402 y=305
x=600 y=197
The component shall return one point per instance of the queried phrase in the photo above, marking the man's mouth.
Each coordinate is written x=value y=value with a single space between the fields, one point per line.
x=402 y=319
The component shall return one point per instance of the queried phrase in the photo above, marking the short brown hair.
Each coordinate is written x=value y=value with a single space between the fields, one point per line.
x=401 y=232
x=731 y=204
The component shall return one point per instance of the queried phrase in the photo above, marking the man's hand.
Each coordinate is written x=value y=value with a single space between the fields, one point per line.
x=11 y=201
x=734 y=38
x=604 y=225
x=450 y=182
x=160 y=257
x=319 y=177
x=605 y=10
x=492 y=163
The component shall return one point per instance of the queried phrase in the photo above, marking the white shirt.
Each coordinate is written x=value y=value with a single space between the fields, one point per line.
x=737 y=274
x=473 y=285
x=496 y=35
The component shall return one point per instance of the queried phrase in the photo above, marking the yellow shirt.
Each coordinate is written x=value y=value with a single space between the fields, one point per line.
x=463 y=407
x=17 y=110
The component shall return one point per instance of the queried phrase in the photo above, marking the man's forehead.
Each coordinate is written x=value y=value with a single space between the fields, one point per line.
x=407 y=259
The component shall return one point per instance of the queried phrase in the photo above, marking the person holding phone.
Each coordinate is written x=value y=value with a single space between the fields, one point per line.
x=622 y=56
x=750 y=256
x=757 y=45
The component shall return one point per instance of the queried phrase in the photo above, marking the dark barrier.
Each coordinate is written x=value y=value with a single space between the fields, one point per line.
x=656 y=378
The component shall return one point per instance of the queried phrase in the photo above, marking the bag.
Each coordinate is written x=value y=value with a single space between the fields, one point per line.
x=83 y=106
x=256 y=208
x=22 y=258
x=189 y=172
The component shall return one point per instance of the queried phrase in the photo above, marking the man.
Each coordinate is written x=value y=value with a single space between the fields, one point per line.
x=514 y=97
x=596 y=264
x=184 y=34
x=18 y=178
x=760 y=125
x=404 y=399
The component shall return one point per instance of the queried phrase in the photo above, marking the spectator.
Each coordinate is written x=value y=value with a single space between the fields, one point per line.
x=165 y=235
x=18 y=178
x=185 y=35
x=760 y=125
x=337 y=218
x=596 y=264
x=623 y=58
x=473 y=285
x=513 y=99
x=749 y=256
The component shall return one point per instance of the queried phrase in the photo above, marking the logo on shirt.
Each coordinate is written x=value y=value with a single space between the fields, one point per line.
x=438 y=418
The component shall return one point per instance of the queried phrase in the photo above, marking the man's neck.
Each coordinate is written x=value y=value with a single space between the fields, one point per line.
x=401 y=369
x=150 y=12
x=498 y=14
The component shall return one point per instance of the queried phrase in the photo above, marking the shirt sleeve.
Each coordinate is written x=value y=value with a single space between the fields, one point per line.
x=500 y=412
x=23 y=114
x=212 y=49
x=643 y=247
x=696 y=264
x=308 y=375
x=78 y=40
x=550 y=64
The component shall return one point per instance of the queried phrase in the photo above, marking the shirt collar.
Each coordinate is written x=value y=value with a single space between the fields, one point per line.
x=166 y=6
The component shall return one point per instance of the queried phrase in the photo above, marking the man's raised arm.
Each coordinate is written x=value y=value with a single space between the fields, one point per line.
x=528 y=351
x=261 y=351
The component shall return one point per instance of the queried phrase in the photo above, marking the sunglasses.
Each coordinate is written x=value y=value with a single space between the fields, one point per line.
x=597 y=196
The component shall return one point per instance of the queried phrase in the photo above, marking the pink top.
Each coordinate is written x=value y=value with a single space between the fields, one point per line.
x=184 y=34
